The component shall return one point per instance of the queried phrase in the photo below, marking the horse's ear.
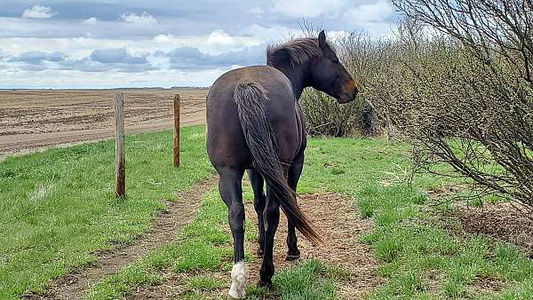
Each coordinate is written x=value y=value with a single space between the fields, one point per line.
x=322 y=40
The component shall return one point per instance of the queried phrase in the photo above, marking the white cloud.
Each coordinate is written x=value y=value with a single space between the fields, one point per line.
x=159 y=61
x=111 y=79
x=143 y=19
x=216 y=42
x=90 y=21
x=219 y=37
x=308 y=8
x=271 y=34
x=375 y=18
x=154 y=39
x=258 y=11
x=80 y=47
x=375 y=12
x=38 y=12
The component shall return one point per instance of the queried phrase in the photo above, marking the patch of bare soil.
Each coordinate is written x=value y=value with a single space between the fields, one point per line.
x=165 y=229
x=174 y=286
x=500 y=220
x=36 y=119
x=333 y=216
x=443 y=192
x=486 y=284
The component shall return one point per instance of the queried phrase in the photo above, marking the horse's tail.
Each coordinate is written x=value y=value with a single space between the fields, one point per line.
x=251 y=99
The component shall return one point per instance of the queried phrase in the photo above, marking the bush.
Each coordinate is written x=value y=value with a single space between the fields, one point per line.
x=324 y=116
x=461 y=87
x=457 y=81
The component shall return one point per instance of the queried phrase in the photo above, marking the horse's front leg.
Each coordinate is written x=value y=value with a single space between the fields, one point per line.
x=230 y=187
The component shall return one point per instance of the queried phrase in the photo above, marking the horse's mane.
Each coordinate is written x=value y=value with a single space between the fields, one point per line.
x=298 y=52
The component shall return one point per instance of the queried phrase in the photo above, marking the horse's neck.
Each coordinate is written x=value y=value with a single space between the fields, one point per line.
x=299 y=77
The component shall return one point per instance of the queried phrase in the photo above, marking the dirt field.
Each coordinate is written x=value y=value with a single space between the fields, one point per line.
x=36 y=119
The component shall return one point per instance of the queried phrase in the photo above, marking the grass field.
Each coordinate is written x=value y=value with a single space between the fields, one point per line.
x=57 y=207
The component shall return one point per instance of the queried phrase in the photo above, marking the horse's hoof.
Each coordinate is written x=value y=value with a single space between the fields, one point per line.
x=259 y=252
x=292 y=256
x=238 y=280
x=265 y=283
x=237 y=294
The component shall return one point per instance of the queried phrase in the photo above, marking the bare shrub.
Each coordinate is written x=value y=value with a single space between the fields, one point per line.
x=456 y=80
x=464 y=92
x=324 y=116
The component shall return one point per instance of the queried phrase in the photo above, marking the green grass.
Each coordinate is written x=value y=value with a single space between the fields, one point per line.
x=203 y=245
x=309 y=280
x=58 y=207
x=419 y=259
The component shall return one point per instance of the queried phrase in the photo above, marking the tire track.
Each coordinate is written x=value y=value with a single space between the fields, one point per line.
x=164 y=230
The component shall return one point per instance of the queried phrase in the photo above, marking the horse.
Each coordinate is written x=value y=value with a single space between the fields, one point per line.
x=254 y=123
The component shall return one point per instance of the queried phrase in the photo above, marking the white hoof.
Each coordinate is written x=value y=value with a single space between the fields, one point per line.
x=238 y=280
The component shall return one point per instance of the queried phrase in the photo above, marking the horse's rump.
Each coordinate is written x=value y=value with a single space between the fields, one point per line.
x=251 y=100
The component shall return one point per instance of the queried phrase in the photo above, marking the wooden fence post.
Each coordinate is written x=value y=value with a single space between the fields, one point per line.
x=177 y=130
x=120 y=190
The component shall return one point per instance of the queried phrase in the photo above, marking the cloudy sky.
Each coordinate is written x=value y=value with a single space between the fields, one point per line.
x=140 y=43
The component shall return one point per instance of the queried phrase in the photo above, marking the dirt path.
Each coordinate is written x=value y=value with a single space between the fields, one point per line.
x=165 y=229
x=338 y=221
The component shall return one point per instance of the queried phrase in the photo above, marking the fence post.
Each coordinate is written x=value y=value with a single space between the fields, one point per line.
x=177 y=130
x=120 y=190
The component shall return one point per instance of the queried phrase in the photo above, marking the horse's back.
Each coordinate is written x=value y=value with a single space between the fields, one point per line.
x=225 y=139
x=271 y=79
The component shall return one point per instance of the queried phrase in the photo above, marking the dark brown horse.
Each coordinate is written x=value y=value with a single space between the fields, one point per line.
x=254 y=123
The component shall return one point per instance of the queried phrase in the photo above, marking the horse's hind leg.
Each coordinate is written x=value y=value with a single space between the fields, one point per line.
x=295 y=171
x=230 y=187
x=257 y=182
x=271 y=216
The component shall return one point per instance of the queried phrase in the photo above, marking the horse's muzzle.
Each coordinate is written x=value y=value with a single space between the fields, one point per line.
x=349 y=91
x=348 y=96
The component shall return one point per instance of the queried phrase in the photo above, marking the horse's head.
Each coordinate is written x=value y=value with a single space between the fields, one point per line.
x=330 y=76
